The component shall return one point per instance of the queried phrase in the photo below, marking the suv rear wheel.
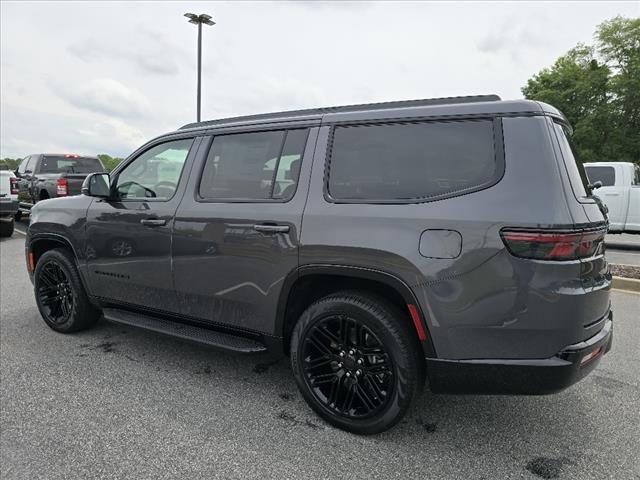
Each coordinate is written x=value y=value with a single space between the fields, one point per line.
x=356 y=362
x=60 y=295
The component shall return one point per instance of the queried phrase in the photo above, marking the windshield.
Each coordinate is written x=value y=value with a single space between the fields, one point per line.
x=575 y=168
x=62 y=164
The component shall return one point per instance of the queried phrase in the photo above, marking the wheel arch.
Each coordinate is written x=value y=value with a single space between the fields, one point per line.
x=41 y=243
x=308 y=283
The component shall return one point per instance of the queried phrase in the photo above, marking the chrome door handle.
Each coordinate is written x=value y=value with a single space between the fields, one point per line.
x=153 y=222
x=271 y=228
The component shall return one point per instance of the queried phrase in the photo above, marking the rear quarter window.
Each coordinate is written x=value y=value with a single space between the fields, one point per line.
x=606 y=175
x=405 y=162
x=575 y=167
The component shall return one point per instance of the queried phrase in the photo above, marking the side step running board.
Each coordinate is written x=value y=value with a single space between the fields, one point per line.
x=204 y=336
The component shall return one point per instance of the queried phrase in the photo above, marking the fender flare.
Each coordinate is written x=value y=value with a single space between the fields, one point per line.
x=351 y=271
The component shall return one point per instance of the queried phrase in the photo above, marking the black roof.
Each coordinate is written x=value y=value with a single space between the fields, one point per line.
x=316 y=112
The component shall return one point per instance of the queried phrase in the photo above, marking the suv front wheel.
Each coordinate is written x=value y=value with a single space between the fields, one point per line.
x=356 y=362
x=60 y=294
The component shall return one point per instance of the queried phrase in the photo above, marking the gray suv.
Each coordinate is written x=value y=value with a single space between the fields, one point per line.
x=455 y=240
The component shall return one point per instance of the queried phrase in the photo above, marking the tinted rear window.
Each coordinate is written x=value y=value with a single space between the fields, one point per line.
x=62 y=164
x=607 y=175
x=411 y=161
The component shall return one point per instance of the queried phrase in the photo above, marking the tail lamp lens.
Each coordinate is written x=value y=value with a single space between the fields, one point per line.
x=550 y=245
x=14 y=185
x=62 y=187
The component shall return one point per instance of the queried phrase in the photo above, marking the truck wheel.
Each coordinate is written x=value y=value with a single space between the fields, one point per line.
x=18 y=216
x=356 y=362
x=6 y=228
x=60 y=294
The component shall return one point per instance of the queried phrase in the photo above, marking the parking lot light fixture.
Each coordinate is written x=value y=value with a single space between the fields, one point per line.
x=205 y=19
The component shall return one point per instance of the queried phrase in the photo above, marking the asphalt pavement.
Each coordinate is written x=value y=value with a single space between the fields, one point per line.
x=116 y=402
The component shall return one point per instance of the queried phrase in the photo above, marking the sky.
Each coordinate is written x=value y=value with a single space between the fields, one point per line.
x=105 y=77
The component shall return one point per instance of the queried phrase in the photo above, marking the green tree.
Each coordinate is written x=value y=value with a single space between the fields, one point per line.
x=109 y=162
x=9 y=163
x=598 y=89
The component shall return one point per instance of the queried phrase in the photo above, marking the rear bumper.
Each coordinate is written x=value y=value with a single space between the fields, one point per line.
x=521 y=377
x=8 y=207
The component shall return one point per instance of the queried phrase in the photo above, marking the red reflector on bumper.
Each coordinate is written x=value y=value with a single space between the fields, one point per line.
x=415 y=316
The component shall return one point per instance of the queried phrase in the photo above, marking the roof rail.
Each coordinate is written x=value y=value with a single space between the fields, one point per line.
x=347 y=108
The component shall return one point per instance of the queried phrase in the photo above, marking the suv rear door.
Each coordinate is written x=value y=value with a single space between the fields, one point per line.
x=237 y=229
x=128 y=237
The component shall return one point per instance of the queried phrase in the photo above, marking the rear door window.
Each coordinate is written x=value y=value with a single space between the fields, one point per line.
x=411 y=161
x=253 y=166
x=606 y=175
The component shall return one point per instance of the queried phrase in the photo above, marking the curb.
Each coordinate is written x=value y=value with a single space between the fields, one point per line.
x=629 y=284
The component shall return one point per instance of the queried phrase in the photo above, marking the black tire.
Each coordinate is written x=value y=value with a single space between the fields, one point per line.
x=60 y=294
x=6 y=228
x=373 y=390
x=18 y=216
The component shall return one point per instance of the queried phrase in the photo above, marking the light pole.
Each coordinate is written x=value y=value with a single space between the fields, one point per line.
x=199 y=20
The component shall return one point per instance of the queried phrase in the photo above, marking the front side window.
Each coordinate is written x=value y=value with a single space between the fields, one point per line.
x=23 y=165
x=411 y=161
x=155 y=173
x=636 y=177
x=606 y=175
x=253 y=166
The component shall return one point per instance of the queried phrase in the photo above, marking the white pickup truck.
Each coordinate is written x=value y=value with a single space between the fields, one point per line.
x=8 y=202
x=620 y=192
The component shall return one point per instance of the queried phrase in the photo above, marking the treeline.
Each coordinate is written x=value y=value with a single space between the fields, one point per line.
x=597 y=87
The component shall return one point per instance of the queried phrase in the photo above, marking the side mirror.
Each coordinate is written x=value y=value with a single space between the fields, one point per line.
x=97 y=185
x=595 y=185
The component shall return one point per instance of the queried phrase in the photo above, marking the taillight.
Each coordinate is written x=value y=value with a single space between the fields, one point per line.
x=553 y=245
x=14 y=185
x=62 y=187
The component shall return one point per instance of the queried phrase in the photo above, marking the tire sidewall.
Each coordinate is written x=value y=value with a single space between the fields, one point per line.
x=402 y=393
x=76 y=289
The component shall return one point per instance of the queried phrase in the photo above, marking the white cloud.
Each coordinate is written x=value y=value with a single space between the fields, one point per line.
x=106 y=96
x=105 y=76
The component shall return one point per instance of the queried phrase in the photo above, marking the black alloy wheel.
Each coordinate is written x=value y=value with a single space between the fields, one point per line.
x=347 y=367
x=60 y=294
x=357 y=361
x=55 y=293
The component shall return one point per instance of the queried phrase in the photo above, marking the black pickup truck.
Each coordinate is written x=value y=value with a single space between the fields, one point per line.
x=46 y=175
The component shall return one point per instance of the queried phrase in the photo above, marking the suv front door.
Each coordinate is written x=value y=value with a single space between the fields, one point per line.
x=128 y=237
x=237 y=229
